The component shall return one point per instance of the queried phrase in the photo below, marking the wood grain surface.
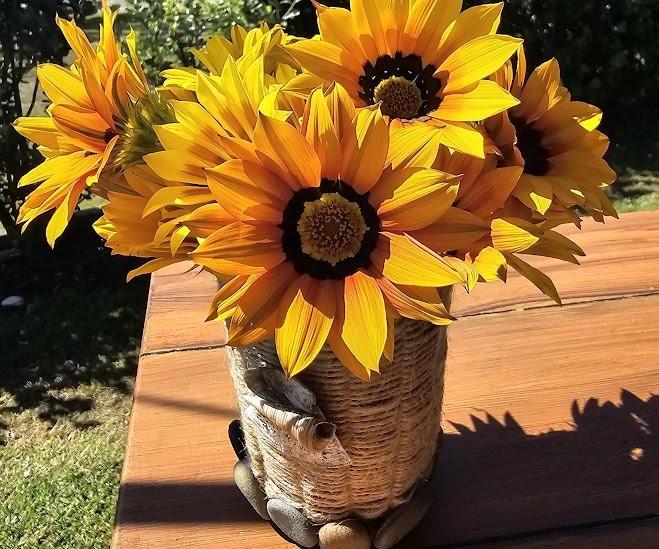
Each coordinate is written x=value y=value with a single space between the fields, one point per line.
x=551 y=418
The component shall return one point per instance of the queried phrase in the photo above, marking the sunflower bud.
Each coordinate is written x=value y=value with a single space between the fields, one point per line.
x=137 y=135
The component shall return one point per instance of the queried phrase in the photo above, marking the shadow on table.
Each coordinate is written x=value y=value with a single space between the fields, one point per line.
x=496 y=481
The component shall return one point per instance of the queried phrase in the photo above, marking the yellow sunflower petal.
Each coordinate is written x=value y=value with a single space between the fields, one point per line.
x=306 y=313
x=83 y=127
x=177 y=196
x=337 y=27
x=540 y=91
x=403 y=260
x=234 y=118
x=53 y=166
x=340 y=349
x=376 y=26
x=318 y=127
x=234 y=286
x=456 y=230
x=39 y=129
x=426 y=23
x=365 y=152
x=343 y=111
x=412 y=198
x=63 y=86
x=285 y=152
x=417 y=303
x=536 y=277
x=390 y=344
x=471 y=23
x=475 y=60
x=416 y=145
x=490 y=191
x=78 y=41
x=329 y=62
x=513 y=235
x=259 y=305
x=364 y=328
x=63 y=213
x=485 y=100
x=535 y=192
x=150 y=267
x=174 y=166
x=463 y=138
x=249 y=191
x=491 y=264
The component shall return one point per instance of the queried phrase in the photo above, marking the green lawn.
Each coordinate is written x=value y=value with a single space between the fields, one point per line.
x=66 y=380
x=637 y=190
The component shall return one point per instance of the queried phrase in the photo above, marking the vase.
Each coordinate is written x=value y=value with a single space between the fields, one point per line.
x=368 y=447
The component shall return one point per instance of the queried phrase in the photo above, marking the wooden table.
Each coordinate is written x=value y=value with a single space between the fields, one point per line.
x=552 y=429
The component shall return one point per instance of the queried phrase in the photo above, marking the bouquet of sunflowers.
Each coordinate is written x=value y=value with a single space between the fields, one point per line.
x=334 y=186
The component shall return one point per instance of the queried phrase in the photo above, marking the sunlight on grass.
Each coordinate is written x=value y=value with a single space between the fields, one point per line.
x=59 y=484
x=637 y=190
x=66 y=385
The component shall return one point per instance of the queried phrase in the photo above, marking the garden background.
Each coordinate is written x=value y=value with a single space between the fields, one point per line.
x=69 y=344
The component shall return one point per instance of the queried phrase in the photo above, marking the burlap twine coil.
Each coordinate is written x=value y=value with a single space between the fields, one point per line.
x=386 y=430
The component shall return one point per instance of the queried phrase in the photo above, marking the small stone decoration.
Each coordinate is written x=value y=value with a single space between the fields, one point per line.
x=250 y=488
x=347 y=534
x=13 y=301
x=293 y=523
x=351 y=533
x=404 y=519
x=237 y=439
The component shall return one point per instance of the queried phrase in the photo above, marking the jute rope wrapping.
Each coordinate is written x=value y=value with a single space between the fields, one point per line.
x=386 y=430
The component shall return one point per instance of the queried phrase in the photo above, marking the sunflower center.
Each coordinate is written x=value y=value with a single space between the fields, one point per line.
x=406 y=87
x=529 y=143
x=329 y=231
x=331 y=228
x=400 y=98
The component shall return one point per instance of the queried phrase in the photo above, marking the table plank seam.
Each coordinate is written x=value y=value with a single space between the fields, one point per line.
x=583 y=301
x=652 y=518
x=183 y=349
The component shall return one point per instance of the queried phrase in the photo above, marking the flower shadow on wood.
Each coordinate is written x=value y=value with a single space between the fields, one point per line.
x=496 y=481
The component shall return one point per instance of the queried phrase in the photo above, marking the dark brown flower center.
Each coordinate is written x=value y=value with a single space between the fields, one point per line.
x=399 y=98
x=529 y=143
x=406 y=88
x=329 y=231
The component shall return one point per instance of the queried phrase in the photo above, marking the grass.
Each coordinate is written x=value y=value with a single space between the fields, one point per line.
x=59 y=484
x=636 y=190
x=66 y=374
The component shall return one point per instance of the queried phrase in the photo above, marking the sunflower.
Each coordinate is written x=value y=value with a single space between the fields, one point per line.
x=204 y=132
x=131 y=226
x=556 y=141
x=244 y=48
x=98 y=125
x=485 y=189
x=323 y=247
x=421 y=60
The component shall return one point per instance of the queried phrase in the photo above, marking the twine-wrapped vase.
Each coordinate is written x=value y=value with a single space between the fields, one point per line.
x=384 y=441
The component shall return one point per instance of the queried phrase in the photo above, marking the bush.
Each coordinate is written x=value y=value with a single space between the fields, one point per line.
x=28 y=36
x=168 y=29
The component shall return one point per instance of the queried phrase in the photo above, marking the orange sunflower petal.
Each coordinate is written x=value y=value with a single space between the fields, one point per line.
x=241 y=249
